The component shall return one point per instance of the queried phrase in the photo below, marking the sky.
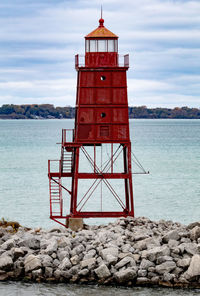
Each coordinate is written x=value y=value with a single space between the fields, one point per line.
x=39 y=39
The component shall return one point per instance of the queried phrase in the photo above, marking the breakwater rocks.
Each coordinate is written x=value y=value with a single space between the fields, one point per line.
x=131 y=251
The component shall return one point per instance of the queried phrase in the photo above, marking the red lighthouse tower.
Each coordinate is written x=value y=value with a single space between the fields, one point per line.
x=94 y=176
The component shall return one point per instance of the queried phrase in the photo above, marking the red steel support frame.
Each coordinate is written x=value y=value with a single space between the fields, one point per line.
x=101 y=118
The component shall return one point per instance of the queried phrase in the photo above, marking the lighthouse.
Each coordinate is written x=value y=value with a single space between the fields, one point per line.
x=93 y=178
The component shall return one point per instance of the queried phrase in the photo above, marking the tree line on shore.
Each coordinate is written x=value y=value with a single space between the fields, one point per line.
x=49 y=111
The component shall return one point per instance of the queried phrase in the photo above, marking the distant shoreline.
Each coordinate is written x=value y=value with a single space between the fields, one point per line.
x=48 y=111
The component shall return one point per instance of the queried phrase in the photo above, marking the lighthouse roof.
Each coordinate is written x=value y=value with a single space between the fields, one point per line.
x=101 y=32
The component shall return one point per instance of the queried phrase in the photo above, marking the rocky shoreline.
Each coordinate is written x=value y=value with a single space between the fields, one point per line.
x=130 y=252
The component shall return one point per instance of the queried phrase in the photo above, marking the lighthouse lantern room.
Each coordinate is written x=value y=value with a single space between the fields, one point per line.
x=93 y=177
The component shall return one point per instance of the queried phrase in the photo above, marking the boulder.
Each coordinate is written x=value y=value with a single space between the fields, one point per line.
x=6 y=263
x=17 y=252
x=102 y=271
x=173 y=234
x=185 y=262
x=194 y=268
x=165 y=267
x=145 y=264
x=109 y=251
x=65 y=264
x=125 y=261
x=88 y=263
x=156 y=252
x=195 y=233
x=126 y=275
x=31 y=263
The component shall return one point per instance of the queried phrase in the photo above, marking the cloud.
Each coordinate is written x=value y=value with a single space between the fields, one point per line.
x=40 y=38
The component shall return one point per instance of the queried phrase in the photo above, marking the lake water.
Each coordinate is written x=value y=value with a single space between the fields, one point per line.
x=169 y=149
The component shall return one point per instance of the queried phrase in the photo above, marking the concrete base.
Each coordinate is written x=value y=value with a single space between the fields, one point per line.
x=75 y=224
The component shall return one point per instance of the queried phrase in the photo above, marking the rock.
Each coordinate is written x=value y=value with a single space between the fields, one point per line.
x=183 y=262
x=102 y=271
x=190 y=248
x=31 y=263
x=192 y=225
x=125 y=261
x=111 y=259
x=165 y=267
x=62 y=254
x=9 y=244
x=142 y=273
x=145 y=264
x=48 y=271
x=173 y=243
x=75 y=260
x=52 y=247
x=90 y=254
x=37 y=273
x=109 y=251
x=194 y=268
x=83 y=272
x=195 y=233
x=65 y=264
x=88 y=263
x=6 y=262
x=153 y=254
x=126 y=275
x=17 y=252
x=64 y=241
x=46 y=260
x=162 y=259
x=173 y=234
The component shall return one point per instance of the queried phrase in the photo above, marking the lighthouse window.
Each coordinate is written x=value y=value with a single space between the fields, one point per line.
x=93 y=46
x=102 y=45
x=103 y=115
x=111 y=45
x=87 y=46
x=103 y=78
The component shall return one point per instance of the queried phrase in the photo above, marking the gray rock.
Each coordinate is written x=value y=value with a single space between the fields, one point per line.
x=46 y=260
x=17 y=252
x=83 y=272
x=6 y=263
x=65 y=264
x=126 y=275
x=156 y=252
x=125 y=261
x=111 y=259
x=48 y=271
x=64 y=241
x=194 y=268
x=102 y=271
x=52 y=247
x=88 y=263
x=195 y=233
x=145 y=264
x=168 y=277
x=192 y=225
x=183 y=262
x=165 y=267
x=31 y=263
x=142 y=273
x=173 y=243
x=162 y=259
x=61 y=254
x=173 y=234
x=75 y=260
x=109 y=251
x=90 y=254
x=37 y=273
x=9 y=244
x=190 y=248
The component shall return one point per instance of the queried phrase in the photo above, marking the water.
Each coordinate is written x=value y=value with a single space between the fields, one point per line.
x=22 y=289
x=169 y=149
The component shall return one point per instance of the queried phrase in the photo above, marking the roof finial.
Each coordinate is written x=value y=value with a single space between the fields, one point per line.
x=101 y=21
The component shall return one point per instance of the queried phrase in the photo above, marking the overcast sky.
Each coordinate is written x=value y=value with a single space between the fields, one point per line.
x=39 y=38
